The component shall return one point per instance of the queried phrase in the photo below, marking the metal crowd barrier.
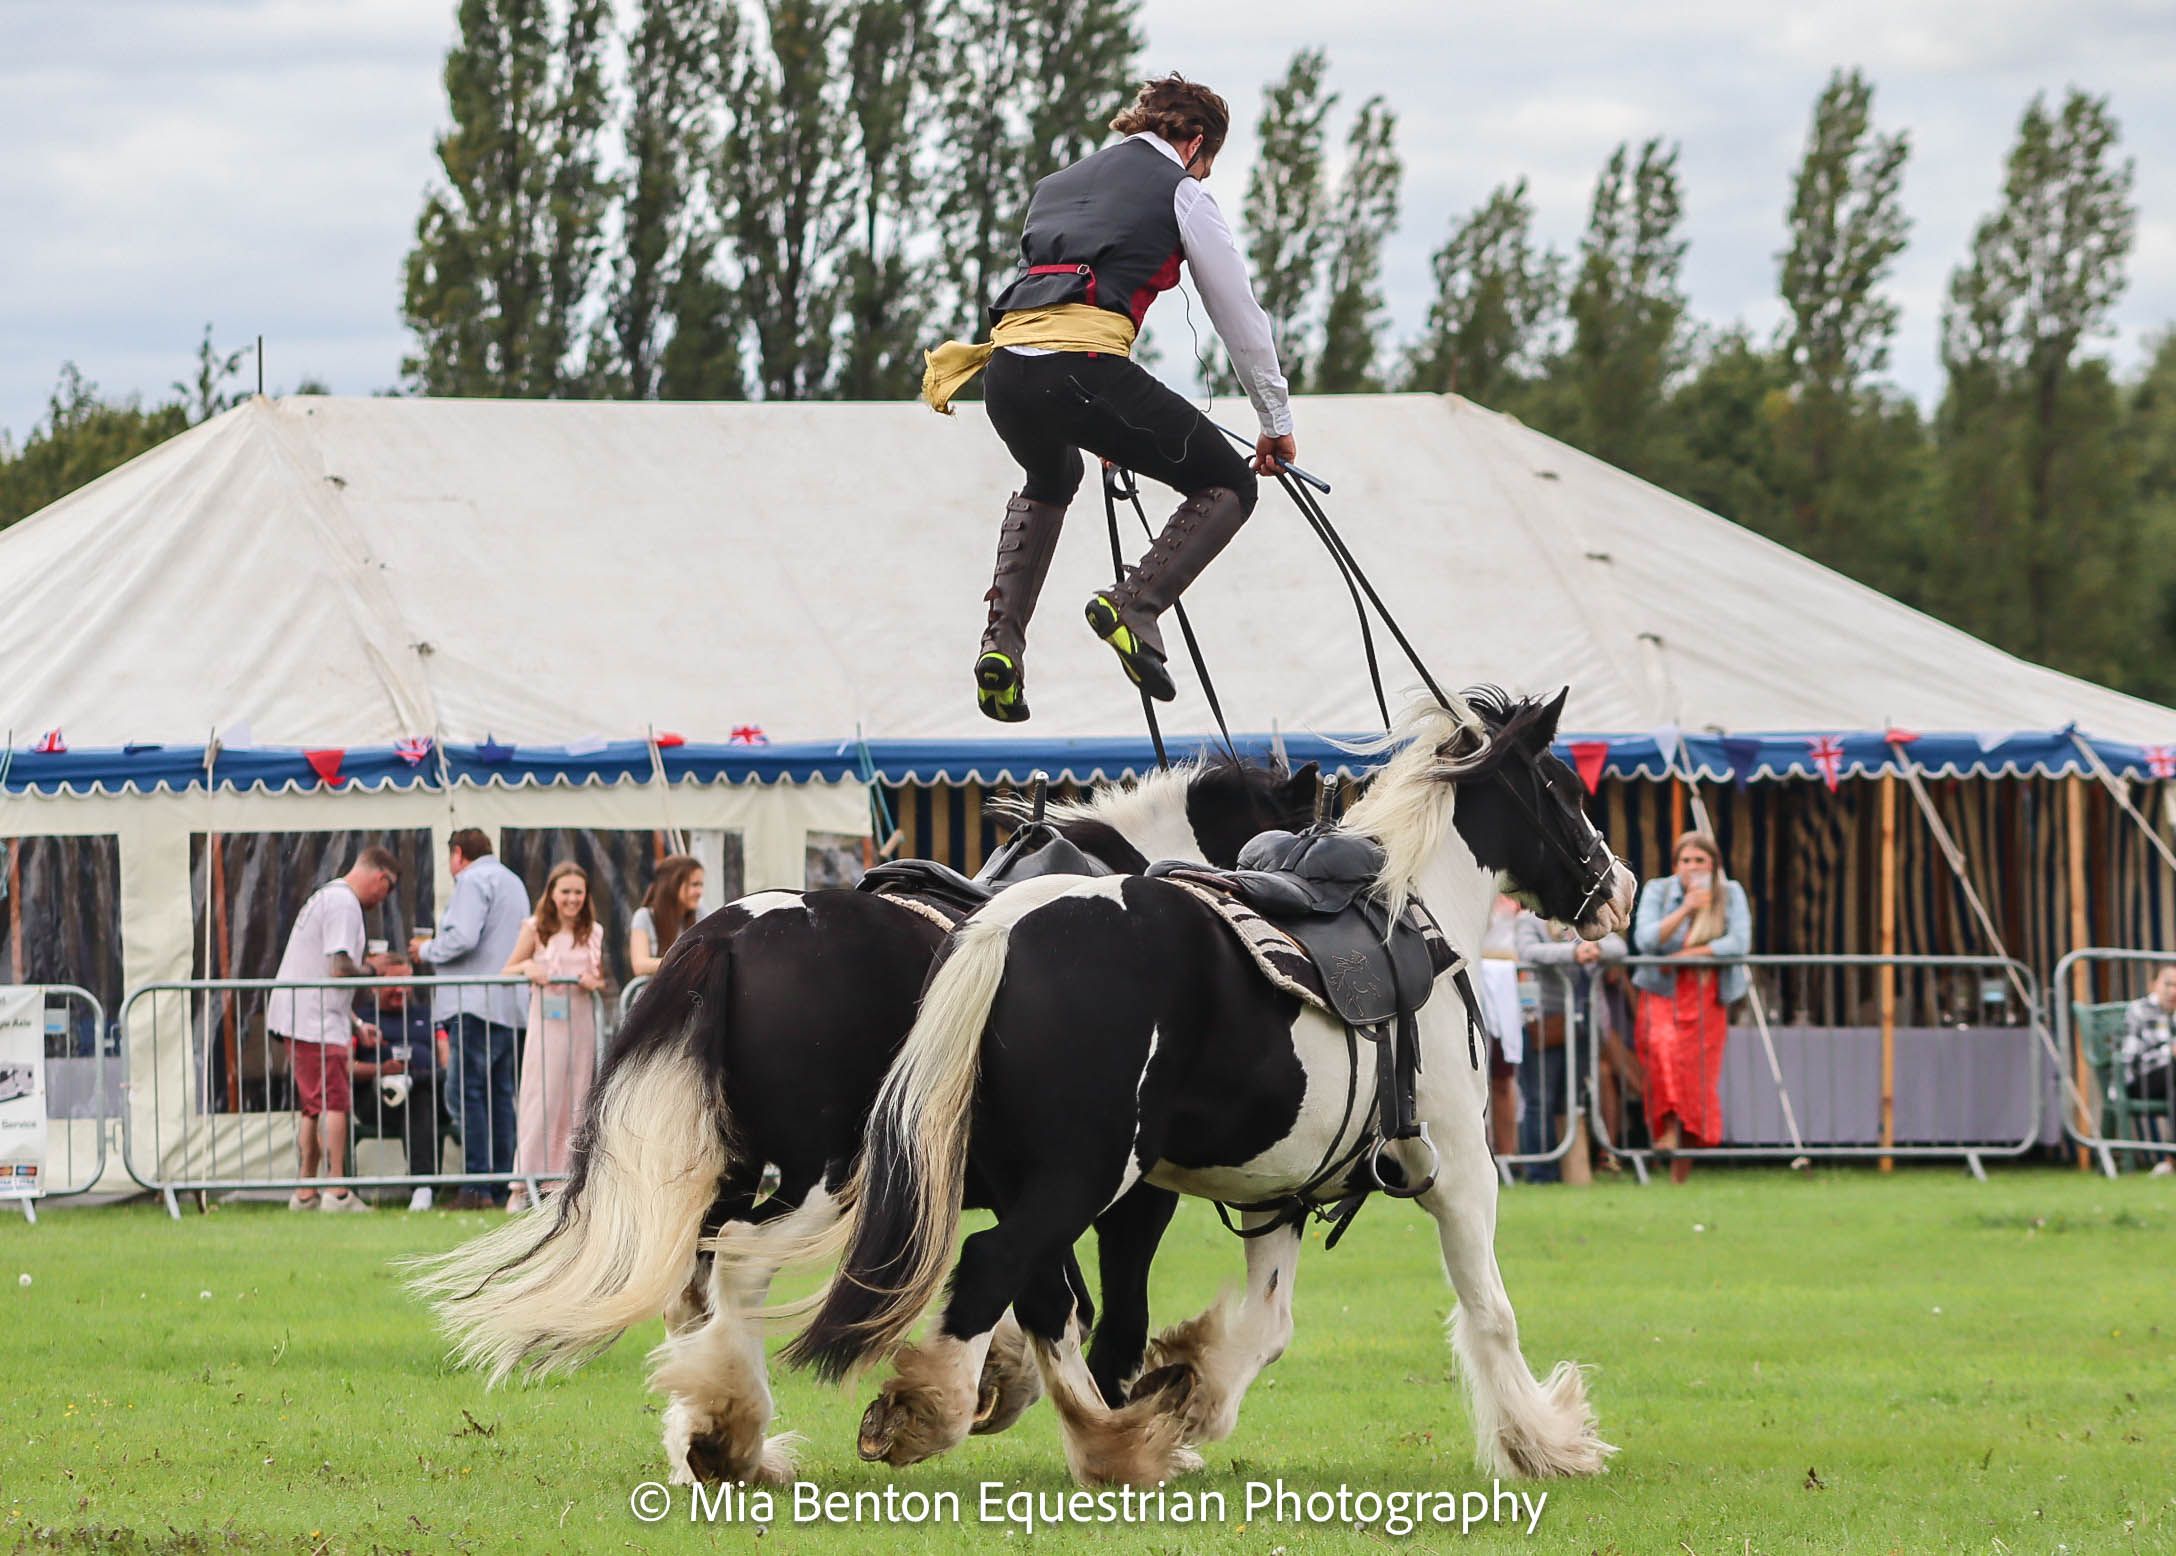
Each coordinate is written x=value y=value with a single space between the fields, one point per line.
x=80 y=1062
x=215 y=1090
x=1971 y=1083
x=2102 y=1078
x=629 y=995
x=1546 y=1087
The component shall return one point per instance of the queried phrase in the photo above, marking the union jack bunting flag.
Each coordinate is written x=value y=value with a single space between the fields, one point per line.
x=750 y=735
x=50 y=744
x=413 y=752
x=2161 y=761
x=1828 y=756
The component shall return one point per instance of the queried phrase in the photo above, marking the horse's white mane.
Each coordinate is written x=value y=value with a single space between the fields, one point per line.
x=1122 y=807
x=1408 y=807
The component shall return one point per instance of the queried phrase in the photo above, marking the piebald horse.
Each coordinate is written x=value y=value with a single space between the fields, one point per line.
x=1084 y=1036
x=762 y=1041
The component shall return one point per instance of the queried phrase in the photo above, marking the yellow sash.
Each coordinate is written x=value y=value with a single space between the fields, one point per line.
x=1067 y=327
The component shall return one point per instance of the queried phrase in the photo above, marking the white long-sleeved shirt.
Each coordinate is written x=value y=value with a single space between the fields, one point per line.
x=1220 y=275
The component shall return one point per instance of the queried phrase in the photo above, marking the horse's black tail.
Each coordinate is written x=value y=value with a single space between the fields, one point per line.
x=906 y=1192
x=550 y=1289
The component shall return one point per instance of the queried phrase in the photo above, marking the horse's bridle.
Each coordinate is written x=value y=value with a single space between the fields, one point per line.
x=1598 y=880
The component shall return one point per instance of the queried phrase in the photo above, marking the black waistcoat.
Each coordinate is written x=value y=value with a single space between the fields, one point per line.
x=1102 y=231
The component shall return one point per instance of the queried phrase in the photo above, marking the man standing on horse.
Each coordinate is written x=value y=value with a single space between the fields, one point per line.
x=1102 y=238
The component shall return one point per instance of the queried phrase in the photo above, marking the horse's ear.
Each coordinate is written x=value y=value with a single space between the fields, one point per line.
x=1545 y=726
x=1304 y=779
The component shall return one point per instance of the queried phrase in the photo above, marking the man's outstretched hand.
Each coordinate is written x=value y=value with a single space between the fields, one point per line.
x=1269 y=451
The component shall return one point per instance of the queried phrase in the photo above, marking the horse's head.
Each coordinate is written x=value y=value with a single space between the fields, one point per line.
x=1522 y=812
x=1230 y=803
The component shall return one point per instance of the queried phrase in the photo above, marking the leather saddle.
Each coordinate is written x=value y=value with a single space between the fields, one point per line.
x=1037 y=848
x=1316 y=888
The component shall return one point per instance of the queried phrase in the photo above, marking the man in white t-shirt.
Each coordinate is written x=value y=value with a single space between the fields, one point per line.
x=327 y=941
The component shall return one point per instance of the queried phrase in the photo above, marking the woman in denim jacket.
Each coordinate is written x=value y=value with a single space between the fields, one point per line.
x=1692 y=913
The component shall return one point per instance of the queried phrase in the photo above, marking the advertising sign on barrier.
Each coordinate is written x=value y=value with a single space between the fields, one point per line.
x=22 y=1092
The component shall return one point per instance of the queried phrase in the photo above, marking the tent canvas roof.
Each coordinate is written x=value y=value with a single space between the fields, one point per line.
x=353 y=572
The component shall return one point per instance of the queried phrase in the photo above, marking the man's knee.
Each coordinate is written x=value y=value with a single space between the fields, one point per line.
x=1240 y=482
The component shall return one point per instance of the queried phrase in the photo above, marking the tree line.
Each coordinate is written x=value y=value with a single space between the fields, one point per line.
x=790 y=199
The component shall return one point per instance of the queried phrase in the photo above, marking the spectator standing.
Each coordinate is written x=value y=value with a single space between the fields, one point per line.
x=561 y=940
x=406 y=1066
x=475 y=939
x=671 y=904
x=1568 y=986
x=327 y=941
x=1692 y=914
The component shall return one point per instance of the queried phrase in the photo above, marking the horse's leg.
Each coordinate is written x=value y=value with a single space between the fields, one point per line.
x=928 y=1405
x=1521 y=1427
x=716 y=1371
x=1139 y=1444
x=1126 y=1238
x=1208 y=1363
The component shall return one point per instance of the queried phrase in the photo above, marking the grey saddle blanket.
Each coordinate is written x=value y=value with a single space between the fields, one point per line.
x=1300 y=905
x=940 y=893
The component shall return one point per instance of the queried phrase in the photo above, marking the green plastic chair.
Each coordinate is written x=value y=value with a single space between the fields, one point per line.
x=2100 y=1038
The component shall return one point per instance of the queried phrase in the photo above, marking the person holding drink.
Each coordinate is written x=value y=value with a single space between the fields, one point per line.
x=1693 y=915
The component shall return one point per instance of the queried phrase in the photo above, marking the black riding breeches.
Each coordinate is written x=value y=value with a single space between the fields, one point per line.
x=1049 y=408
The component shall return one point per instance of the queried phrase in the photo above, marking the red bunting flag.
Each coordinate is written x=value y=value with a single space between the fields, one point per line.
x=666 y=740
x=50 y=744
x=1900 y=737
x=1589 y=756
x=326 y=764
x=1828 y=756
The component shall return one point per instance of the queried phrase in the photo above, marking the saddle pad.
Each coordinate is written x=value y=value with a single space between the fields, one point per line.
x=1284 y=960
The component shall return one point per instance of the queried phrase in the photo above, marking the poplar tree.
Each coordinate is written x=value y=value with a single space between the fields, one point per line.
x=508 y=246
x=787 y=187
x=1497 y=295
x=1847 y=227
x=2031 y=454
x=1286 y=224
x=891 y=71
x=669 y=234
x=1625 y=307
x=1362 y=217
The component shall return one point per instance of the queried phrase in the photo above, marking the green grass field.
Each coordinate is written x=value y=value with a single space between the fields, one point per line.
x=1832 y=1362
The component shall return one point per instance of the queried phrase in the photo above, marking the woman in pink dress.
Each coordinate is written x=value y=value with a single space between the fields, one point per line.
x=561 y=940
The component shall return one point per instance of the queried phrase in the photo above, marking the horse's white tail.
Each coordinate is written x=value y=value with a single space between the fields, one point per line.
x=550 y=1289
x=906 y=1192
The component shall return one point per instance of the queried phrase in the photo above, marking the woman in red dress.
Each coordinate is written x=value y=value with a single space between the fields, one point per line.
x=1696 y=915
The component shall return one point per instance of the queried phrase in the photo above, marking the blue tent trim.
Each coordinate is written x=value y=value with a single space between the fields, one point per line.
x=150 y=769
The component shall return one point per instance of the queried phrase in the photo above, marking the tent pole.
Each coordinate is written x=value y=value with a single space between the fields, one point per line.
x=2081 y=986
x=1885 y=978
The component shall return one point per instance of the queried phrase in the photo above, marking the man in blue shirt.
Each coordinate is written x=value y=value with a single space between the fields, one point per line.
x=474 y=940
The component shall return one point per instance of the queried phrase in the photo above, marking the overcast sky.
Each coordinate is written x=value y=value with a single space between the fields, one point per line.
x=259 y=163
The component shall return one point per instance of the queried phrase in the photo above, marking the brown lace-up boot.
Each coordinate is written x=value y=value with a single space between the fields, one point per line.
x=1125 y=616
x=1025 y=546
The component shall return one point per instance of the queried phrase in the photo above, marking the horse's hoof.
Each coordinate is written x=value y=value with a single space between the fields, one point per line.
x=874 y=1441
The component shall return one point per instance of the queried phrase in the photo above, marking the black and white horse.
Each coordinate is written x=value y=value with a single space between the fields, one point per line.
x=1090 y=1035
x=762 y=1041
